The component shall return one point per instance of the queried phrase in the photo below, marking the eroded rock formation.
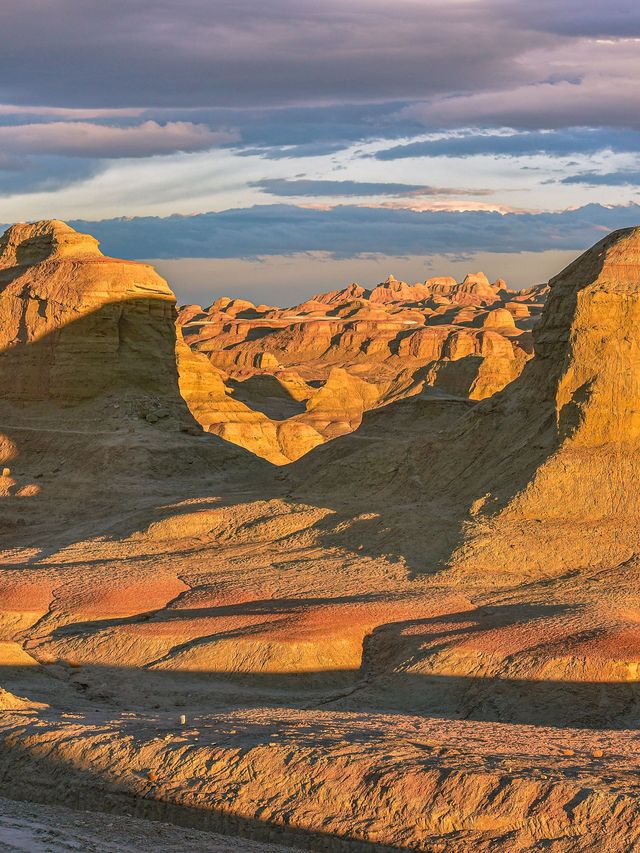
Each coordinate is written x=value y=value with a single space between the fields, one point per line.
x=356 y=349
x=74 y=324
x=422 y=635
x=89 y=378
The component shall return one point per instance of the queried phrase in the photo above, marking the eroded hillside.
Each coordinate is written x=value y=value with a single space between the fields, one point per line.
x=297 y=377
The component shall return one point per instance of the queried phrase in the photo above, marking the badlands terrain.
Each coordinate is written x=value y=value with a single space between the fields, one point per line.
x=356 y=575
x=293 y=378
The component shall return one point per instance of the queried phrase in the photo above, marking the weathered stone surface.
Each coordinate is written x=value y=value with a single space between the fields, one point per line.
x=74 y=323
x=381 y=337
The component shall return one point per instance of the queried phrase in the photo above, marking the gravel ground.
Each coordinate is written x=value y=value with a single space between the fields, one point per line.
x=32 y=828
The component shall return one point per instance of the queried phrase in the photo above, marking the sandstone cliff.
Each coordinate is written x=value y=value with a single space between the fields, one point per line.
x=74 y=323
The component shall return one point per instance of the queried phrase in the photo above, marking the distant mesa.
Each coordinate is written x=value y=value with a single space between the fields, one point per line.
x=500 y=318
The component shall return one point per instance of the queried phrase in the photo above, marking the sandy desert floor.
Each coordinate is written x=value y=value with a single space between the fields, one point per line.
x=252 y=624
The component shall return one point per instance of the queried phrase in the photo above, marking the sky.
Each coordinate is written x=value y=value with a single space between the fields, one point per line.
x=275 y=149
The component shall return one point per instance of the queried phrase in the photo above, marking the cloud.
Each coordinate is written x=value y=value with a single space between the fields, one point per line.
x=611 y=179
x=594 y=101
x=158 y=53
x=580 y=140
x=335 y=189
x=349 y=231
x=616 y=18
x=67 y=113
x=293 y=132
x=84 y=139
x=288 y=152
x=46 y=174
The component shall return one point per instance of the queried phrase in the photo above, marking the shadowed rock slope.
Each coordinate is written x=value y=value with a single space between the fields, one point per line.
x=89 y=379
x=560 y=444
x=75 y=324
x=566 y=450
x=530 y=499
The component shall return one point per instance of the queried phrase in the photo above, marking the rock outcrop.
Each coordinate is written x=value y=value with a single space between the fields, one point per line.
x=74 y=324
x=569 y=426
x=89 y=379
x=470 y=339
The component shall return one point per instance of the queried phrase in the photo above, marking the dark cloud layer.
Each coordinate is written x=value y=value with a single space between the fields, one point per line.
x=233 y=52
x=251 y=53
x=335 y=189
x=42 y=174
x=569 y=142
x=289 y=132
x=612 y=179
x=302 y=78
x=348 y=231
x=620 y=18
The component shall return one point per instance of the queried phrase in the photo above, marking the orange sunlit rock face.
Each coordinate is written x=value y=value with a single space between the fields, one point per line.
x=307 y=374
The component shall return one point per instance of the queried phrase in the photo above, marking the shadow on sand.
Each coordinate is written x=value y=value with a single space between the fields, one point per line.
x=395 y=674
